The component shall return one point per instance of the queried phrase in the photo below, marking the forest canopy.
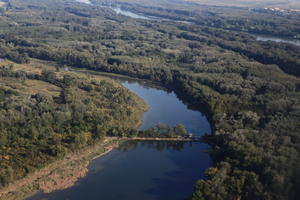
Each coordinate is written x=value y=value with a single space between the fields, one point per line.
x=250 y=89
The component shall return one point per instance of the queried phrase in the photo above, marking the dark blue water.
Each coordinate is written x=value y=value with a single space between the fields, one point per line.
x=147 y=170
x=165 y=107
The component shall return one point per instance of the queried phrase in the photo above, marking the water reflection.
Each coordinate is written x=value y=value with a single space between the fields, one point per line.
x=157 y=145
x=140 y=170
x=165 y=107
x=277 y=39
x=84 y=1
x=120 y=11
x=150 y=170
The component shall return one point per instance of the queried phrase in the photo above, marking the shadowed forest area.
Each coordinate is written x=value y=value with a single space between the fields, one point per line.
x=250 y=89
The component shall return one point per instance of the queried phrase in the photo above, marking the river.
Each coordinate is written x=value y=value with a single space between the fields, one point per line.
x=277 y=39
x=84 y=1
x=120 y=11
x=147 y=170
x=127 y=13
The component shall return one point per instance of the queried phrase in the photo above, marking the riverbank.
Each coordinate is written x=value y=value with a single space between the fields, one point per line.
x=64 y=173
x=175 y=139
x=60 y=174
x=141 y=160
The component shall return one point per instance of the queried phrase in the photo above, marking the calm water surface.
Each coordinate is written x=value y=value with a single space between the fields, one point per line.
x=140 y=170
x=167 y=108
x=84 y=1
x=127 y=13
x=119 y=11
x=147 y=170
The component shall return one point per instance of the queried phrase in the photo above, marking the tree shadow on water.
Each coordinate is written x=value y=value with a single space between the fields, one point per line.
x=178 y=184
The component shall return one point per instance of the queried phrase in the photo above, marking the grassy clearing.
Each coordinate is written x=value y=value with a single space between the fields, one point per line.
x=31 y=87
x=64 y=170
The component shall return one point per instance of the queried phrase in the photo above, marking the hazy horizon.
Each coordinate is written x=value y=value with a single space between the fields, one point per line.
x=284 y=4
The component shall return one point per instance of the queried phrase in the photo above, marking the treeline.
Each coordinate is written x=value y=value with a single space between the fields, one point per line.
x=37 y=129
x=12 y=54
x=253 y=107
x=238 y=131
x=162 y=130
x=257 y=21
x=286 y=56
x=207 y=90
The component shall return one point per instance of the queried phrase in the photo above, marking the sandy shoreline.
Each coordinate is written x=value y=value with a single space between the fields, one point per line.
x=60 y=174
x=65 y=172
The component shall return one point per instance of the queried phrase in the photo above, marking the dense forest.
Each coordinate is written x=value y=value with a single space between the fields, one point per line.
x=256 y=20
x=249 y=89
x=46 y=115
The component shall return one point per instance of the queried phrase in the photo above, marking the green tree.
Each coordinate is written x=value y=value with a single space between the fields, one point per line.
x=180 y=130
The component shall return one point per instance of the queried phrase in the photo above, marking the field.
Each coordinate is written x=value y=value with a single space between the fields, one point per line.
x=63 y=104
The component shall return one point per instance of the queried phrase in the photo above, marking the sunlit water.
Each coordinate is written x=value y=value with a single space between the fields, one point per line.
x=84 y=1
x=127 y=13
x=119 y=11
x=277 y=39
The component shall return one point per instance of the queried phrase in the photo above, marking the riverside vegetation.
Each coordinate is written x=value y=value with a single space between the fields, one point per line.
x=249 y=89
x=46 y=115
